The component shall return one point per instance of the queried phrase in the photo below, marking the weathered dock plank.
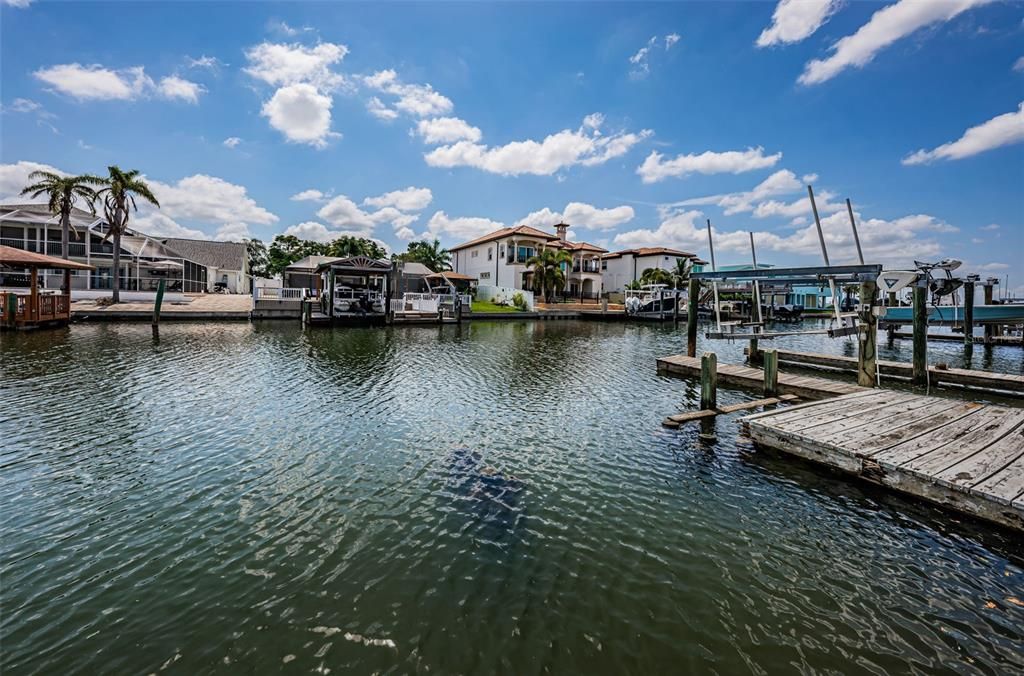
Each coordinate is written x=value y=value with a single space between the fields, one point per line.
x=803 y=386
x=965 y=456
x=984 y=380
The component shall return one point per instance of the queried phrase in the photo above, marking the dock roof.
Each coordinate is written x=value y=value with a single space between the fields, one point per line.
x=19 y=258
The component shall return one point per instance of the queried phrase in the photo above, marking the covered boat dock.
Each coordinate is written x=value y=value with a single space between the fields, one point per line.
x=28 y=308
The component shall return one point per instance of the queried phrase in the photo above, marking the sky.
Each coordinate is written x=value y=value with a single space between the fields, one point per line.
x=635 y=123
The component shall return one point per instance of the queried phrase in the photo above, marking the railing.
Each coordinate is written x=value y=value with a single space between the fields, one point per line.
x=47 y=307
x=587 y=268
x=276 y=293
x=49 y=248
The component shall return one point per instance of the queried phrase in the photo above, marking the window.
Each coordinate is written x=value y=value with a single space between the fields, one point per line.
x=604 y=265
x=485 y=275
x=490 y=253
x=474 y=254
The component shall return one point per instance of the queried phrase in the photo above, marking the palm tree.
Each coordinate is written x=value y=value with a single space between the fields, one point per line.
x=656 y=276
x=64 y=192
x=547 y=270
x=632 y=286
x=681 y=272
x=118 y=195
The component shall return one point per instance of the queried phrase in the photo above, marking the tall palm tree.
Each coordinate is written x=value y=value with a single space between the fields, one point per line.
x=435 y=257
x=548 y=274
x=681 y=272
x=118 y=195
x=63 y=193
x=656 y=276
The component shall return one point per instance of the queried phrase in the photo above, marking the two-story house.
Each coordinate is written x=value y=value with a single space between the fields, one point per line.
x=622 y=267
x=499 y=259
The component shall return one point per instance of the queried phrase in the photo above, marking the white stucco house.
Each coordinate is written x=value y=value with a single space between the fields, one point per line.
x=622 y=267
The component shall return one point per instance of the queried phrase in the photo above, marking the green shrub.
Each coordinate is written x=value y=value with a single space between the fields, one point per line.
x=519 y=300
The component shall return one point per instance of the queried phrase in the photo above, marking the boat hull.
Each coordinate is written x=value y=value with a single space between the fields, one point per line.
x=948 y=314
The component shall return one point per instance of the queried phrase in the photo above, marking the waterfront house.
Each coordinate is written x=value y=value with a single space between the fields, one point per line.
x=498 y=259
x=227 y=263
x=623 y=267
x=145 y=259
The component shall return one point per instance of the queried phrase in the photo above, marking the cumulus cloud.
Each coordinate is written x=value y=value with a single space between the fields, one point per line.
x=580 y=214
x=20 y=4
x=757 y=202
x=231 y=142
x=894 y=242
x=886 y=26
x=174 y=87
x=14 y=177
x=408 y=199
x=301 y=113
x=447 y=130
x=656 y=168
x=209 y=199
x=210 y=62
x=795 y=20
x=671 y=39
x=159 y=224
x=461 y=228
x=990 y=226
x=585 y=146
x=95 y=82
x=310 y=195
x=289 y=64
x=378 y=109
x=1018 y=65
x=414 y=99
x=1002 y=130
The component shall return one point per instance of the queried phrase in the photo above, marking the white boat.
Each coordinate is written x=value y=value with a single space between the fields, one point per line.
x=653 y=301
x=358 y=301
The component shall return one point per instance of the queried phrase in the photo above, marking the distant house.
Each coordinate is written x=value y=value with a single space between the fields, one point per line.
x=622 y=267
x=226 y=263
x=302 y=274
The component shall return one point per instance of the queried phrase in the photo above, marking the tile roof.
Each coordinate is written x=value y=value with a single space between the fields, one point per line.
x=506 y=232
x=651 y=251
x=220 y=255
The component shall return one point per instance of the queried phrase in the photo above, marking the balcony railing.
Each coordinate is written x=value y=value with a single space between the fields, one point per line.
x=76 y=249
x=587 y=267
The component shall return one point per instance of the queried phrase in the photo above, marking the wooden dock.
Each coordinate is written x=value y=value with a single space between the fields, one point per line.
x=1005 y=383
x=965 y=456
x=806 y=387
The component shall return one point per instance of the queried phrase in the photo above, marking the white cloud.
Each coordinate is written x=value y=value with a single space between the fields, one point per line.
x=159 y=224
x=795 y=20
x=379 y=110
x=96 y=82
x=1018 y=65
x=414 y=99
x=290 y=64
x=343 y=213
x=174 y=87
x=894 y=242
x=671 y=39
x=204 y=61
x=886 y=26
x=461 y=229
x=641 y=67
x=310 y=195
x=405 y=234
x=990 y=226
x=24 y=106
x=991 y=267
x=209 y=199
x=312 y=230
x=1002 y=130
x=301 y=113
x=231 y=142
x=14 y=177
x=584 y=146
x=21 y=4
x=580 y=214
x=408 y=199
x=447 y=130
x=232 y=232
x=655 y=169
x=782 y=182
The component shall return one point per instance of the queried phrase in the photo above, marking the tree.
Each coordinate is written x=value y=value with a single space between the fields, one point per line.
x=681 y=272
x=429 y=254
x=346 y=246
x=632 y=286
x=548 y=272
x=286 y=249
x=656 y=276
x=256 y=252
x=118 y=195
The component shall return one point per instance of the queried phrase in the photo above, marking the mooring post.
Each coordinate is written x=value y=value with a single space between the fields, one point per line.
x=919 y=373
x=969 y=315
x=330 y=299
x=675 y=306
x=988 y=301
x=11 y=311
x=159 y=301
x=771 y=372
x=691 y=318
x=867 y=342
x=708 y=381
x=753 y=354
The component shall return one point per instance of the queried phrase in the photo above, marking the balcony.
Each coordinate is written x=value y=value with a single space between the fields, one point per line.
x=591 y=267
x=75 y=249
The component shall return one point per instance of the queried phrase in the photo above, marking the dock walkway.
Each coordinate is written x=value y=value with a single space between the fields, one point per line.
x=963 y=455
x=986 y=380
x=806 y=387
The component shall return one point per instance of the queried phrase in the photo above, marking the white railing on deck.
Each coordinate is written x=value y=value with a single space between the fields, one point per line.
x=275 y=293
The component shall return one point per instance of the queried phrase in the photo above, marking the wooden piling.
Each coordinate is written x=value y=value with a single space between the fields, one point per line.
x=968 y=318
x=867 y=341
x=989 y=329
x=11 y=311
x=159 y=301
x=919 y=374
x=691 y=318
x=330 y=299
x=753 y=353
x=771 y=372
x=708 y=381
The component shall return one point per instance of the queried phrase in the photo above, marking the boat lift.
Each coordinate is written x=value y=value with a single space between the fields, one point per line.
x=843 y=324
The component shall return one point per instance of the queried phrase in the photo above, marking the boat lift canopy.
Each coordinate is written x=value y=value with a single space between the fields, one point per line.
x=843 y=274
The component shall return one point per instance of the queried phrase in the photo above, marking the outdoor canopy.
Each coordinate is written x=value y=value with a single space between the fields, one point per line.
x=17 y=258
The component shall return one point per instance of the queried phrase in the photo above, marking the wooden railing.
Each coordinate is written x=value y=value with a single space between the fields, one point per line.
x=46 y=308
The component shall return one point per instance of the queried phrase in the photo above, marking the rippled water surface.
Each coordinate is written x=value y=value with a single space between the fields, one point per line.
x=495 y=497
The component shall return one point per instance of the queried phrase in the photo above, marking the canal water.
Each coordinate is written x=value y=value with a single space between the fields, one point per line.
x=497 y=497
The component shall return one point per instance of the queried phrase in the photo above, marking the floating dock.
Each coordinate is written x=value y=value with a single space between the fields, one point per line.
x=806 y=387
x=963 y=455
x=1005 y=383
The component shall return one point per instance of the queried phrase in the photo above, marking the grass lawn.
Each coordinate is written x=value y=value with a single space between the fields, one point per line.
x=484 y=306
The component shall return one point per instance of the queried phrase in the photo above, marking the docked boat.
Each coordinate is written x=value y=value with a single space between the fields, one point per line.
x=653 y=301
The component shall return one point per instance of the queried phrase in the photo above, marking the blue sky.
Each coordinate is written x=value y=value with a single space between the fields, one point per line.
x=634 y=122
